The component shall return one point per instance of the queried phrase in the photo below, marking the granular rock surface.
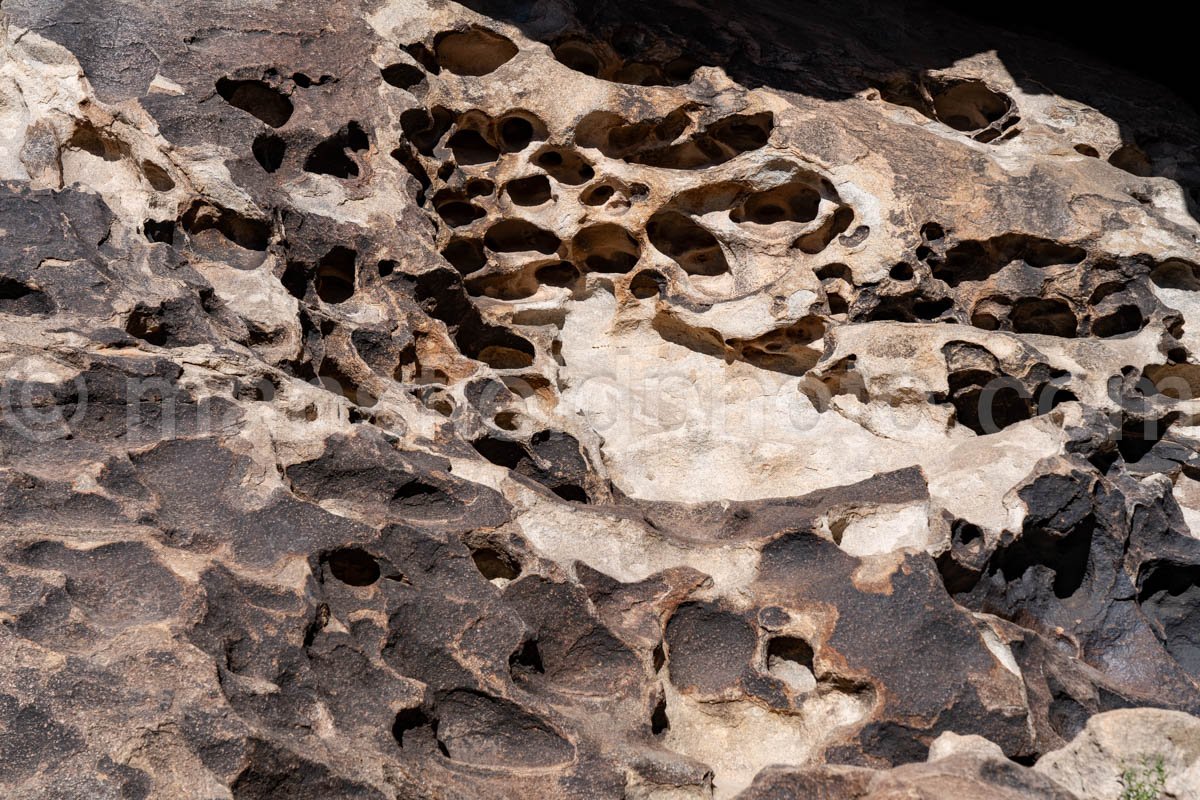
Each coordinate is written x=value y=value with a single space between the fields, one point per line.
x=413 y=399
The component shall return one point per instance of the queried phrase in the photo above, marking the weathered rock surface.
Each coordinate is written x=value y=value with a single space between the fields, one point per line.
x=407 y=399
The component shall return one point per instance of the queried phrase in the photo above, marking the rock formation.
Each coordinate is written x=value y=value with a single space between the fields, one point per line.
x=414 y=399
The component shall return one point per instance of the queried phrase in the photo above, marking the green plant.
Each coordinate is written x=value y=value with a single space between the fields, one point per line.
x=1144 y=781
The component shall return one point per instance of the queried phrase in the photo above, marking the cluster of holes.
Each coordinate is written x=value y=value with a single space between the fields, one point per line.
x=973 y=282
x=675 y=232
x=602 y=60
x=512 y=258
x=675 y=142
x=987 y=400
x=272 y=106
x=978 y=260
x=551 y=458
x=531 y=191
x=966 y=105
x=604 y=247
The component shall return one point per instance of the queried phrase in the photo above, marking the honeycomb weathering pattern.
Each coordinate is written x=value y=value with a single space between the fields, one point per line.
x=408 y=399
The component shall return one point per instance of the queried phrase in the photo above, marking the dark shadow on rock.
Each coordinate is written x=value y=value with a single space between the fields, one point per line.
x=831 y=50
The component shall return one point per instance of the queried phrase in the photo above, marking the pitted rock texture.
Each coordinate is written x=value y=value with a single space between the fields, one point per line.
x=413 y=399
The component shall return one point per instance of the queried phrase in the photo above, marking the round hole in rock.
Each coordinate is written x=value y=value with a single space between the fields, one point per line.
x=796 y=202
x=466 y=255
x=1132 y=159
x=159 y=231
x=985 y=322
x=690 y=244
x=442 y=405
x=480 y=187
x=901 y=272
x=571 y=493
x=517 y=235
x=494 y=565
x=526 y=662
x=790 y=659
x=970 y=105
x=831 y=272
x=458 y=213
x=931 y=231
x=598 y=195
x=353 y=566
x=659 y=724
x=579 y=56
x=1047 y=317
x=257 y=98
x=565 y=166
x=508 y=420
x=1125 y=320
x=562 y=274
x=469 y=147
x=335 y=275
x=516 y=133
x=1176 y=274
x=531 y=191
x=414 y=722
x=157 y=176
x=331 y=157
x=932 y=309
x=500 y=357
x=607 y=248
x=402 y=76
x=148 y=326
x=1087 y=150
x=269 y=150
x=646 y=284
x=476 y=51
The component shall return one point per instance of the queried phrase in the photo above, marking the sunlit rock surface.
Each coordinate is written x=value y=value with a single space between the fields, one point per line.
x=624 y=400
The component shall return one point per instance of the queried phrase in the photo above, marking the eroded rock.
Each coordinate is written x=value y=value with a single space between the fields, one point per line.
x=588 y=400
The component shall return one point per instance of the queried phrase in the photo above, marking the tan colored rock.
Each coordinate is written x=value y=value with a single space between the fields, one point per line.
x=413 y=399
x=951 y=744
x=1112 y=743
